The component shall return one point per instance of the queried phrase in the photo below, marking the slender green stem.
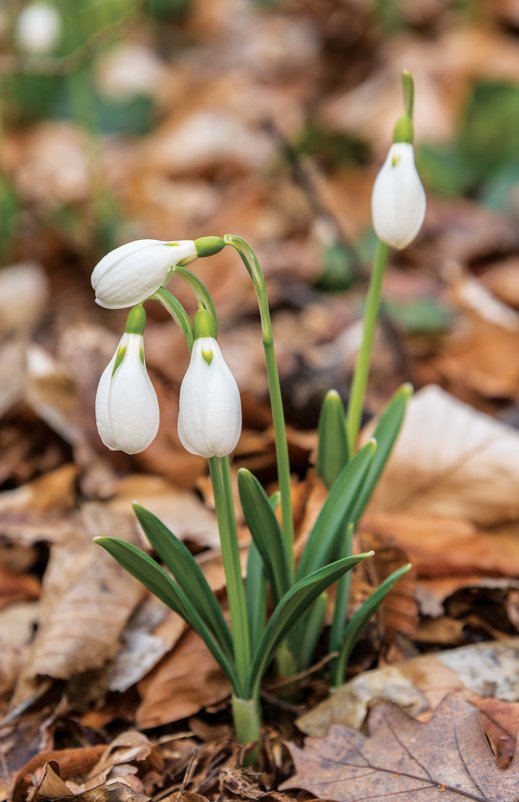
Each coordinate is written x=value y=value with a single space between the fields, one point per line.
x=341 y=605
x=221 y=481
x=200 y=291
x=247 y=723
x=360 y=376
x=177 y=312
x=250 y=261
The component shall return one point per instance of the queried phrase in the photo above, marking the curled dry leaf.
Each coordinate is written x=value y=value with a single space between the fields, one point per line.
x=85 y=603
x=446 y=759
x=419 y=685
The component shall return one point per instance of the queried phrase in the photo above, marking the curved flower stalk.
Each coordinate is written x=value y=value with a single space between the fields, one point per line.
x=398 y=201
x=131 y=273
x=127 y=410
x=209 y=419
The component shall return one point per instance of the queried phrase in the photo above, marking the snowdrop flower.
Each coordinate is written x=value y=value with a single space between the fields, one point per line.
x=131 y=273
x=38 y=29
x=209 y=420
x=127 y=410
x=398 y=200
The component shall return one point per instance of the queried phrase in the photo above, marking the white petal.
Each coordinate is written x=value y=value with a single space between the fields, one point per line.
x=133 y=272
x=38 y=28
x=133 y=409
x=209 y=422
x=398 y=201
x=102 y=417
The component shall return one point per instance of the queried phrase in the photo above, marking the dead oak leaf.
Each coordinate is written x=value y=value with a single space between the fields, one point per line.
x=447 y=759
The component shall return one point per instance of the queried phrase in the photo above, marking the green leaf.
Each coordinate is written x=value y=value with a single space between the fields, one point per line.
x=291 y=608
x=354 y=628
x=336 y=511
x=314 y=620
x=255 y=592
x=332 y=449
x=265 y=532
x=156 y=580
x=186 y=571
x=385 y=434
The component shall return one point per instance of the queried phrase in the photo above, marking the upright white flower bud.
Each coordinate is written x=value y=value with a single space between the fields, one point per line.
x=127 y=410
x=209 y=419
x=131 y=273
x=38 y=29
x=398 y=200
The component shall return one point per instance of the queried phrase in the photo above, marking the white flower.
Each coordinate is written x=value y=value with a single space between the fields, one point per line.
x=38 y=29
x=398 y=200
x=127 y=410
x=131 y=273
x=209 y=420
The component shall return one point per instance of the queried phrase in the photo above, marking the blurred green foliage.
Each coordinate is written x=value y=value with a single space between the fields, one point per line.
x=483 y=160
x=331 y=148
x=421 y=316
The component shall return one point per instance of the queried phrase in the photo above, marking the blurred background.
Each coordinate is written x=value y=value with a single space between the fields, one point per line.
x=173 y=119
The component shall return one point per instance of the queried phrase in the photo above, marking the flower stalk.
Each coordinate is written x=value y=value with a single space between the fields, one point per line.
x=252 y=265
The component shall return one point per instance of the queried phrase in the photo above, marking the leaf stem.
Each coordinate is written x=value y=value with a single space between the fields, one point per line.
x=360 y=376
x=221 y=480
x=252 y=265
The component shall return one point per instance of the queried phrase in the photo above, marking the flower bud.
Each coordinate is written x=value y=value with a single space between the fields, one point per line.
x=131 y=273
x=38 y=29
x=398 y=200
x=209 y=420
x=127 y=410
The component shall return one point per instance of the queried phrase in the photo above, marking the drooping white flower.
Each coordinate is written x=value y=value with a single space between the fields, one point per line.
x=38 y=29
x=398 y=200
x=127 y=410
x=209 y=420
x=131 y=273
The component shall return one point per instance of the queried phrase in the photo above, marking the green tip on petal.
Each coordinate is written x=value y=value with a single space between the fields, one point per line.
x=121 y=353
x=208 y=246
x=205 y=324
x=207 y=356
x=136 y=320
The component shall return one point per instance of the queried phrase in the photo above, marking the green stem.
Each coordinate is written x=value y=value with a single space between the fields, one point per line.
x=177 y=312
x=221 y=481
x=360 y=376
x=252 y=265
x=341 y=606
x=247 y=723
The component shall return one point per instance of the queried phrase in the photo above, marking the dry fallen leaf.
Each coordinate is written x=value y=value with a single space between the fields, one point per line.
x=420 y=684
x=87 y=598
x=181 y=684
x=445 y=760
x=453 y=462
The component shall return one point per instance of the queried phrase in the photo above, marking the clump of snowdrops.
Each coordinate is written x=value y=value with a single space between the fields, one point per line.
x=276 y=613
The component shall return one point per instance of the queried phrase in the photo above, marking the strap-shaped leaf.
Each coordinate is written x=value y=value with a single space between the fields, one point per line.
x=354 y=627
x=265 y=532
x=255 y=593
x=158 y=581
x=332 y=448
x=385 y=434
x=313 y=625
x=186 y=571
x=290 y=608
x=336 y=511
